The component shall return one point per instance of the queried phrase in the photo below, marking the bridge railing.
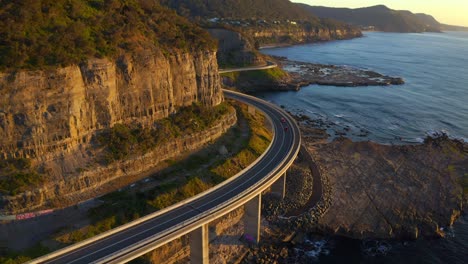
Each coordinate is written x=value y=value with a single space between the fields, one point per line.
x=150 y=243
x=152 y=215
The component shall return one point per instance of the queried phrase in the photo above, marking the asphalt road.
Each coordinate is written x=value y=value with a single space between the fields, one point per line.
x=138 y=239
x=253 y=68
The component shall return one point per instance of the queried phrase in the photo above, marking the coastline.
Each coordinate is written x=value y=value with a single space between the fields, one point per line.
x=379 y=196
x=304 y=74
x=293 y=75
x=404 y=192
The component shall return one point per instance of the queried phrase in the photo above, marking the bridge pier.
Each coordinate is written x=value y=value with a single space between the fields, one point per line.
x=199 y=245
x=252 y=217
x=279 y=186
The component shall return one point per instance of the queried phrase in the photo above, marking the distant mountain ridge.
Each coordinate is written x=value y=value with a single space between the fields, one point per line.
x=446 y=27
x=240 y=9
x=242 y=26
x=379 y=18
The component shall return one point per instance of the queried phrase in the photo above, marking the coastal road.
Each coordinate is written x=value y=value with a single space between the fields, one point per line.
x=143 y=235
x=269 y=65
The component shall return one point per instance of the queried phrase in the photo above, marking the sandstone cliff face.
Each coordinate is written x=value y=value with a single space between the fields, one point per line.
x=51 y=116
x=234 y=48
x=44 y=113
x=299 y=35
x=240 y=48
x=75 y=177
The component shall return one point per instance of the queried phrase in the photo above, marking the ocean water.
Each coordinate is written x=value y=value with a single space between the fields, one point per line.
x=433 y=99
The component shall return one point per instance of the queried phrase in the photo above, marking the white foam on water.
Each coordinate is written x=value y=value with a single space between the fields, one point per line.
x=319 y=248
x=290 y=68
x=419 y=140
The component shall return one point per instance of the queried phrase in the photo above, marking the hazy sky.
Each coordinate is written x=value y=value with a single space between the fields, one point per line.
x=453 y=12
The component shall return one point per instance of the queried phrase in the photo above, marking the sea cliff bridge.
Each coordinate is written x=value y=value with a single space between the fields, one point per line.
x=193 y=215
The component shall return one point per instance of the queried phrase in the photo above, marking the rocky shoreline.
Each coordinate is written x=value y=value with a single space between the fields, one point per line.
x=295 y=74
x=303 y=74
x=379 y=193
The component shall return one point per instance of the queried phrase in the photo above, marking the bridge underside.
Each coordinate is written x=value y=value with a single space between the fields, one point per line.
x=199 y=238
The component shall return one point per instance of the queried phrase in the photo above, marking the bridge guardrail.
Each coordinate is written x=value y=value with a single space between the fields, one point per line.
x=152 y=215
x=239 y=197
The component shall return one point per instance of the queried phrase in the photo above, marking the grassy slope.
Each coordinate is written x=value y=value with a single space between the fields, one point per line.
x=254 y=80
x=272 y=74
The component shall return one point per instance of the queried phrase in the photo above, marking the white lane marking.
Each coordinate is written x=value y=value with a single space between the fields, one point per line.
x=160 y=224
x=274 y=116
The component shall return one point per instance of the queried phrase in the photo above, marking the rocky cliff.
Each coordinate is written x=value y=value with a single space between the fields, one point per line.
x=43 y=113
x=300 y=34
x=50 y=116
x=235 y=49
x=73 y=177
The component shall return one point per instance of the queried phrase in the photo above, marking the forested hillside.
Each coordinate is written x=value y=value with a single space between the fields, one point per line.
x=250 y=24
x=377 y=17
x=240 y=9
x=38 y=33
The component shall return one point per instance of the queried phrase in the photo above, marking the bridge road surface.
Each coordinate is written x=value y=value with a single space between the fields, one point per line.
x=164 y=227
x=253 y=68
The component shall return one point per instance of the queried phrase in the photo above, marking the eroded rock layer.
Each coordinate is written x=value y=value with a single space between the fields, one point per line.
x=45 y=113
x=73 y=177
x=297 y=35
x=51 y=116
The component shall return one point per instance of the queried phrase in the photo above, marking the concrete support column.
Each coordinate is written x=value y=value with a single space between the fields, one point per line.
x=199 y=245
x=252 y=217
x=279 y=186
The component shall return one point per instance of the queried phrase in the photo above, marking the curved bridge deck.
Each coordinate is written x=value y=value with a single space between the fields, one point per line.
x=145 y=234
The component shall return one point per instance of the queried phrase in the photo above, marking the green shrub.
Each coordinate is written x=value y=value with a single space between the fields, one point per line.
x=15 y=164
x=20 y=181
x=464 y=184
x=122 y=140
x=10 y=257
x=259 y=141
x=268 y=74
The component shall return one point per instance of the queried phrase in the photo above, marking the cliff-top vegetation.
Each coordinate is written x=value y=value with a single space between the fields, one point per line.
x=240 y=9
x=240 y=15
x=39 y=33
x=377 y=17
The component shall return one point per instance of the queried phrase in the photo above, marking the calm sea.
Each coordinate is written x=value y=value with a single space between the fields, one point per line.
x=434 y=99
